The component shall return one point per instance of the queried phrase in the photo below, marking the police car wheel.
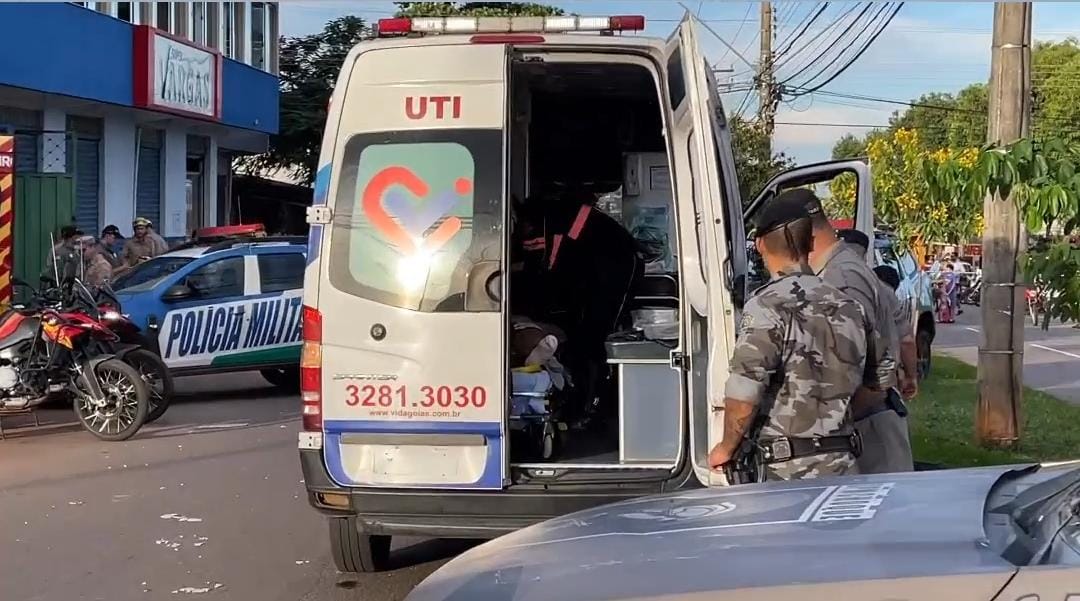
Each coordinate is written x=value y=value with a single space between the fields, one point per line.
x=288 y=380
x=354 y=552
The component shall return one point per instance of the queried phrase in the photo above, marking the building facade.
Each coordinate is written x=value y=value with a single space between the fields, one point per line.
x=125 y=109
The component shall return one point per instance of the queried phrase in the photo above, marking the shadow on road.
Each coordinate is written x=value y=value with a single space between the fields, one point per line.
x=429 y=551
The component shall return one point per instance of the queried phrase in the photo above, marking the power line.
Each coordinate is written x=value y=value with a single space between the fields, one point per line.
x=791 y=41
x=818 y=56
x=861 y=51
x=843 y=35
x=818 y=36
x=742 y=23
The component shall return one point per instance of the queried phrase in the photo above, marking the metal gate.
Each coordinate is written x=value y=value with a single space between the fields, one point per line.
x=45 y=197
x=44 y=202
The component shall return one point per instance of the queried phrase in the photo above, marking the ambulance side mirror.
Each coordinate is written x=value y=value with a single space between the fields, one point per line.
x=177 y=292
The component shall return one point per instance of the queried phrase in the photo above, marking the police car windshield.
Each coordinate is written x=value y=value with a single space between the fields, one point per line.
x=147 y=275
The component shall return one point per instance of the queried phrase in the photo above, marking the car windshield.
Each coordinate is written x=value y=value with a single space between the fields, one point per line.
x=1038 y=514
x=147 y=275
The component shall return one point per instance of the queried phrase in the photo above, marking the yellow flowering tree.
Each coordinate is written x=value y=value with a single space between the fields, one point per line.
x=903 y=199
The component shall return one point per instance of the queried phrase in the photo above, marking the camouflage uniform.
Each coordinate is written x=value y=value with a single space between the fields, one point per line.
x=134 y=249
x=66 y=259
x=98 y=269
x=799 y=357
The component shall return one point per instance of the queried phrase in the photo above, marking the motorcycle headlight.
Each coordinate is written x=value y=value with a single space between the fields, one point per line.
x=110 y=316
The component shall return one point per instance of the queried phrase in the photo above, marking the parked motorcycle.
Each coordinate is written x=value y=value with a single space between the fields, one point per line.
x=46 y=348
x=134 y=349
x=971 y=290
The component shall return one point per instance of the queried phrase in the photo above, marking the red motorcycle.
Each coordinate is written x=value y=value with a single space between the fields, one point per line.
x=132 y=348
x=46 y=349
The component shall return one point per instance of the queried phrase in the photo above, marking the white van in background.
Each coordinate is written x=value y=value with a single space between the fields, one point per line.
x=441 y=132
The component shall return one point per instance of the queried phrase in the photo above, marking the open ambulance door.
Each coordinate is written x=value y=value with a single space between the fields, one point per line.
x=821 y=174
x=713 y=237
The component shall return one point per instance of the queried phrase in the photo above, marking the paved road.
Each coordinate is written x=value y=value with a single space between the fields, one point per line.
x=210 y=497
x=1051 y=358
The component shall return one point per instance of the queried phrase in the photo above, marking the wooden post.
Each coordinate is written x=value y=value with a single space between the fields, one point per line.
x=1001 y=356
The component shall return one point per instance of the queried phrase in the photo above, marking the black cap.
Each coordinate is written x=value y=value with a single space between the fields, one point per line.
x=854 y=237
x=69 y=231
x=111 y=229
x=812 y=202
x=790 y=206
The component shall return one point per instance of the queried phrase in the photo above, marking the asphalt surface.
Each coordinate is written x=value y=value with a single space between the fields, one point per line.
x=207 y=502
x=1051 y=357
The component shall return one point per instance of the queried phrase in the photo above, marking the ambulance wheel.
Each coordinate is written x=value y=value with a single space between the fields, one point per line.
x=354 y=552
x=287 y=379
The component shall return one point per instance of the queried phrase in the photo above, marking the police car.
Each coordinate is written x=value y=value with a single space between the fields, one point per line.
x=222 y=305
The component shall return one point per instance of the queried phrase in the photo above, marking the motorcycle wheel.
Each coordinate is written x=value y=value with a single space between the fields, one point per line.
x=158 y=380
x=127 y=402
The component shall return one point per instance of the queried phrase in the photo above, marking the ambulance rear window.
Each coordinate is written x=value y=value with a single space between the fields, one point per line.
x=414 y=213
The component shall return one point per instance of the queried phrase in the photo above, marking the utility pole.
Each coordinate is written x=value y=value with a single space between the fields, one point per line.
x=767 y=99
x=1001 y=356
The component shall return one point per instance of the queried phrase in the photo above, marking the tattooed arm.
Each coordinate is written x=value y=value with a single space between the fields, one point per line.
x=738 y=415
x=758 y=354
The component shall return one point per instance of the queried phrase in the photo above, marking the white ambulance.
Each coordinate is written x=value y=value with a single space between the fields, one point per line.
x=440 y=131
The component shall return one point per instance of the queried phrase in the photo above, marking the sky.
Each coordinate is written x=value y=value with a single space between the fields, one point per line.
x=928 y=46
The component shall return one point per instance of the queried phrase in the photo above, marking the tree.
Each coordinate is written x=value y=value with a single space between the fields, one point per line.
x=848 y=147
x=476 y=9
x=1042 y=177
x=754 y=161
x=308 y=71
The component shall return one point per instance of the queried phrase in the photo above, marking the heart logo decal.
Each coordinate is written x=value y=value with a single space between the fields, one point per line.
x=415 y=214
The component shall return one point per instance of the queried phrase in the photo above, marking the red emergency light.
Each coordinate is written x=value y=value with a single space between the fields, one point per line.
x=400 y=26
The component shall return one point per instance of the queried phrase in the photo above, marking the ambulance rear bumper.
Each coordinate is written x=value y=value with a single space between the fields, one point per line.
x=459 y=514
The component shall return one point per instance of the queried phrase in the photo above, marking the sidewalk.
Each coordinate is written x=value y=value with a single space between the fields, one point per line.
x=1051 y=358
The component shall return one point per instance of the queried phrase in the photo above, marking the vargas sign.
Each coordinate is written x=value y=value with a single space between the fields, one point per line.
x=173 y=75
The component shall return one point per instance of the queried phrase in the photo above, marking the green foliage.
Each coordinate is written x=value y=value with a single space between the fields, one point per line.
x=476 y=9
x=755 y=163
x=1041 y=177
x=849 y=146
x=308 y=72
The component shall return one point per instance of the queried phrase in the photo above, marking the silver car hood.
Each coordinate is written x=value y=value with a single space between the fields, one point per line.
x=865 y=528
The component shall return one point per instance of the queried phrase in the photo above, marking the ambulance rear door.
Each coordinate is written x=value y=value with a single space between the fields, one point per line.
x=717 y=222
x=412 y=331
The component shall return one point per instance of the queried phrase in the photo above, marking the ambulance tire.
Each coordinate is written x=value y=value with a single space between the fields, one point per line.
x=287 y=379
x=354 y=552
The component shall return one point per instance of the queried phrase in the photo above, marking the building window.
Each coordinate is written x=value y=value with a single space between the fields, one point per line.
x=213 y=24
x=164 y=16
x=228 y=27
x=125 y=12
x=258 y=35
x=198 y=22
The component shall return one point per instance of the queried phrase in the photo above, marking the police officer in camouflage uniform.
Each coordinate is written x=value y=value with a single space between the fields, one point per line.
x=797 y=362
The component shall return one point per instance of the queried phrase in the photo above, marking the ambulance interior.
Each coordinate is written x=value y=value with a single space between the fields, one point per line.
x=593 y=293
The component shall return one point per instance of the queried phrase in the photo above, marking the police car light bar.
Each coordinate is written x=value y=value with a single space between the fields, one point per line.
x=566 y=24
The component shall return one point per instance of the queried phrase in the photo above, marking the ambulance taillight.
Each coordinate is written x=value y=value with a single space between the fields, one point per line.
x=400 y=26
x=311 y=370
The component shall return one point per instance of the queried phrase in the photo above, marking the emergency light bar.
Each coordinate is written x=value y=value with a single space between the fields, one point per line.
x=422 y=25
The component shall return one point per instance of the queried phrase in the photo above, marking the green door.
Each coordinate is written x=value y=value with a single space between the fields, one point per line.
x=44 y=202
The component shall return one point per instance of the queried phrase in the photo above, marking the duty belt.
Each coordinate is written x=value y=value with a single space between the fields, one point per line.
x=786 y=448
